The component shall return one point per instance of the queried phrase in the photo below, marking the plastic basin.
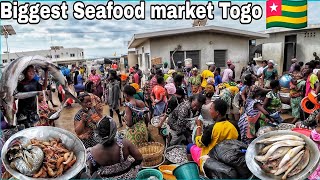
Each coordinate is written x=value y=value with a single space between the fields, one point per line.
x=147 y=173
x=167 y=171
x=188 y=170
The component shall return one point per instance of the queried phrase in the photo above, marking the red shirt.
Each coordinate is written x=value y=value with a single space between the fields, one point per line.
x=158 y=91
x=136 y=78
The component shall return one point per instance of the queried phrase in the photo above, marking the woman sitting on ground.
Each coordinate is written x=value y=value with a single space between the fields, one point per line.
x=209 y=137
x=85 y=120
x=136 y=117
x=112 y=157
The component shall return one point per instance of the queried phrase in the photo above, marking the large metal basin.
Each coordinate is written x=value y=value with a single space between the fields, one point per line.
x=258 y=172
x=71 y=142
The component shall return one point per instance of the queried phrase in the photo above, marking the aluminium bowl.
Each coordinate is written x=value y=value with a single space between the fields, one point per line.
x=72 y=143
x=253 y=149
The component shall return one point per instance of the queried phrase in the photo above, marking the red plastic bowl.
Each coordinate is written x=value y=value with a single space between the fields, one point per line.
x=304 y=131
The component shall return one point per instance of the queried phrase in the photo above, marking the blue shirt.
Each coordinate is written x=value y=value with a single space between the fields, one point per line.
x=217 y=80
x=36 y=77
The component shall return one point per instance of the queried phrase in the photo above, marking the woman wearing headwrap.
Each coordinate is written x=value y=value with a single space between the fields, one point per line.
x=139 y=94
x=136 y=117
x=174 y=96
x=112 y=157
x=270 y=73
x=195 y=81
x=254 y=111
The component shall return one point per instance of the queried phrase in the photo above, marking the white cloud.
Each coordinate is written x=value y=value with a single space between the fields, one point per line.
x=104 y=37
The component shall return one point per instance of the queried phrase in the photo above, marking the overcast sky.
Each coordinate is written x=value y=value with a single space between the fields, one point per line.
x=104 y=38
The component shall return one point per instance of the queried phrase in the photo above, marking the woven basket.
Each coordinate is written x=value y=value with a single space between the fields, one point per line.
x=152 y=153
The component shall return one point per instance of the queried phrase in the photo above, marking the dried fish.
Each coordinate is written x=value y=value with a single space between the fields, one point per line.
x=302 y=164
x=289 y=155
x=279 y=153
x=280 y=138
x=289 y=164
x=177 y=155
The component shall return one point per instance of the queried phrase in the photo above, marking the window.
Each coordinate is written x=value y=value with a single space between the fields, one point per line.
x=195 y=56
x=147 y=60
x=220 y=58
x=56 y=56
x=182 y=55
x=4 y=61
x=72 y=55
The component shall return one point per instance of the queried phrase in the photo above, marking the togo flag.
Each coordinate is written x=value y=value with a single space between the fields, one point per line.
x=287 y=13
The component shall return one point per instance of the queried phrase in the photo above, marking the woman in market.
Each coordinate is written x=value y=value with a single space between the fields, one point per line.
x=112 y=157
x=255 y=115
x=270 y=73
x=175 y=97
x=296 y=93
x=27 y=108
x=250 y=88
x=272 y=103
x=136 y=117
x=114 y=95
x=195 y=81
x=44 y=111
x=86 y=119
x=96 y=79
x=78 y=82
x=179 y=124
x=139 y=94
x=220 y=129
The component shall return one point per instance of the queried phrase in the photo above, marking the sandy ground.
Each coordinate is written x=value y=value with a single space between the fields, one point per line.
x=67 y=115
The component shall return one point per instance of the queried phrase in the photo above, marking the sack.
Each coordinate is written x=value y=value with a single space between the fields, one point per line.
x=230 y=153
x=214 y=169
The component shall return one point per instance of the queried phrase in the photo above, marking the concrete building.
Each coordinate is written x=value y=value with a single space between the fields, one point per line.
x=286 y=44
x=57 y=54
x=201 y=44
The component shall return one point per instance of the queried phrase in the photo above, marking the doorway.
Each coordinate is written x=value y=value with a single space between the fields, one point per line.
x=289 y=51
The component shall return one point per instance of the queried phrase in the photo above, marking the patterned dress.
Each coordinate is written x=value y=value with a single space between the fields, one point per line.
x=138 y=132
x=92 y=119
x=121 y=170
x=247 y=122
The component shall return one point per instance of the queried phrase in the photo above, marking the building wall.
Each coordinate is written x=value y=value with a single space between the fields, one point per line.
x=237 y=47
x=305 y=45
x=142 y=51
x=64 y=55
x=132 y=58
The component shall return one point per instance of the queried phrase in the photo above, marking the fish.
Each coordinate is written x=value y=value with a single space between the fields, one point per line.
x=279 y=153
x=302 y=163
x=265 y=149
x=10 y=78
x=273 y=139
x=24 y=95
x=276 y=146
x=290 y=154
x=289 y=164
x=270 y=165
x=291 y=168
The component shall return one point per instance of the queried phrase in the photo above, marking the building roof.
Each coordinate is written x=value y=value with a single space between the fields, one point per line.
x=142 y=37
x=280 y=30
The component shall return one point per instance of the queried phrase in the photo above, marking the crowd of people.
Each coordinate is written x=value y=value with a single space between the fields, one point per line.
x=199 y=109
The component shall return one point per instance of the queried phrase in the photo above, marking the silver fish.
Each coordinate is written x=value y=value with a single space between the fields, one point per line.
x=289 y=164
x=10 y=78
x=24 y=95
x=291 y=168
x=290 y=154
x=280 y=138
x=302 y=163
x=276 y=146
x=279 y=153
x=265 y=149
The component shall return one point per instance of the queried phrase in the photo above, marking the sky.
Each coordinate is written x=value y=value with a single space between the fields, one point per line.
x=102 y=38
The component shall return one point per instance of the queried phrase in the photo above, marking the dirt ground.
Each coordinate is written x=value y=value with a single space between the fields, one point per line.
x=67 y=115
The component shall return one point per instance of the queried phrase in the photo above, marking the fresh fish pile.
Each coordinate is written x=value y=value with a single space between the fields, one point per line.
x=40 y=159
x=177 y=155
x=153 y=178
x=285 y=155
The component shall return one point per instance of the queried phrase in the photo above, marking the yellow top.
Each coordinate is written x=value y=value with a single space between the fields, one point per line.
x=214 y=134
x=205 y=74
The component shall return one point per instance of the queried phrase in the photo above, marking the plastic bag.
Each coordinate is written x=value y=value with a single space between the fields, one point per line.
x=232 y=153
x=215 y=169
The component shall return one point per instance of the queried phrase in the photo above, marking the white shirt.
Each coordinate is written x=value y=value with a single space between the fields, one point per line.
x=260 y=70
x=226 y=75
